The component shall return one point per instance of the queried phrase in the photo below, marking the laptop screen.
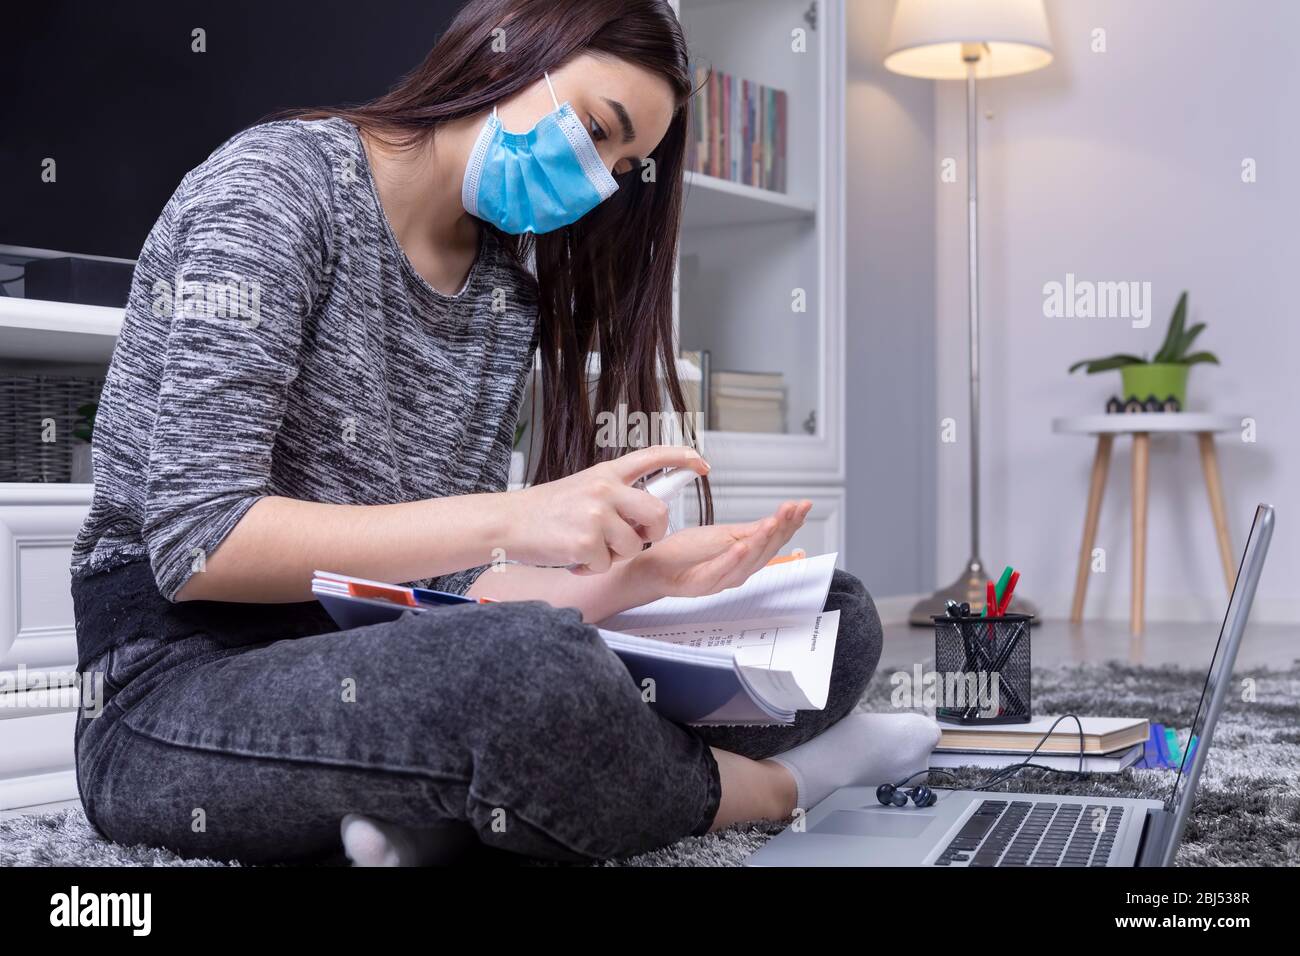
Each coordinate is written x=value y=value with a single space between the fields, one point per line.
x=1219 y=676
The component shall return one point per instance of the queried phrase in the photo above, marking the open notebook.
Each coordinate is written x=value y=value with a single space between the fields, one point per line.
x=755 y=654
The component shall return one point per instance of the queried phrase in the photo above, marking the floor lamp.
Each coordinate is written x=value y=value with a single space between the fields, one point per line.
x=956 y=40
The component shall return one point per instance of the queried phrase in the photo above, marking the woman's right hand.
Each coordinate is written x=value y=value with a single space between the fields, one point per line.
x=595 y=517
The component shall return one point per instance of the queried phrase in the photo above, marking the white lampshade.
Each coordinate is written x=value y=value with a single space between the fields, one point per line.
x=927 y=35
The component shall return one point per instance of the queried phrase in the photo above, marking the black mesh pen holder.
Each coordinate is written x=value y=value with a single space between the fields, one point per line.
x=982 y=669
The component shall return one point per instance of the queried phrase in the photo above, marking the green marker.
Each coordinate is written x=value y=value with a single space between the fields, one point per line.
x=1000 y=589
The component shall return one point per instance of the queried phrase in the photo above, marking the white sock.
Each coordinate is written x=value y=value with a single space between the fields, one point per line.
x=369 y=842
x=862 y=749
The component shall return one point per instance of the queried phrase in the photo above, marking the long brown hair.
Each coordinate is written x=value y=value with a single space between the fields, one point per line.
x=605 y=283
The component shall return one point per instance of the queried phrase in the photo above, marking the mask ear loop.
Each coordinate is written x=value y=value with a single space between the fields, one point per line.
x=549 y=86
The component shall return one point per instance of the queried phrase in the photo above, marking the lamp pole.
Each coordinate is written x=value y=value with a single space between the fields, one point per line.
x=969 y=588
x=971 y=55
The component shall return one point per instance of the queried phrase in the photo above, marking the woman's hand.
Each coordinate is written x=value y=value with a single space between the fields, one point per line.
x=593 y=518
x=711 y=558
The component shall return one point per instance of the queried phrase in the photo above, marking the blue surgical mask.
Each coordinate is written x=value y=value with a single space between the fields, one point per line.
x=537 y=181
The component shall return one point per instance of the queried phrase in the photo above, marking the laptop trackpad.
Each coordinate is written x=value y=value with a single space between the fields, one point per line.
x=875 y=823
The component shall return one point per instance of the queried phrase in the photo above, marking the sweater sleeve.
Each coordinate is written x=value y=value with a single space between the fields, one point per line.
x=250 y=243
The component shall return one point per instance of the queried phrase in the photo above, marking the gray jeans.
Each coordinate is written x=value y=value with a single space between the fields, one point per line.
x=247 y=732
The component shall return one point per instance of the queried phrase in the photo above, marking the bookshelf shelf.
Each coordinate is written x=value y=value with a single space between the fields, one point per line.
x=712 y=202
x=33 y=329
x=18 y=493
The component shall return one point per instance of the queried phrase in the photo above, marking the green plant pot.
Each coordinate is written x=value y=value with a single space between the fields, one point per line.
x=1158 y=380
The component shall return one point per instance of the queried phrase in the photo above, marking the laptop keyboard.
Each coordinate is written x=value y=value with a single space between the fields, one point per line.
x=1025 y=833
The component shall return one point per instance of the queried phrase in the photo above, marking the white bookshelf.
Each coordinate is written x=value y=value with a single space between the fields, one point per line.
x=38 y=524
x=744 y=250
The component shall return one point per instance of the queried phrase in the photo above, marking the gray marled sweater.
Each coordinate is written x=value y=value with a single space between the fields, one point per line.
x=278 y=342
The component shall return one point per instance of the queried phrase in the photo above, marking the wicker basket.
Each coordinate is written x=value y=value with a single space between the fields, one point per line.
x=37 y=418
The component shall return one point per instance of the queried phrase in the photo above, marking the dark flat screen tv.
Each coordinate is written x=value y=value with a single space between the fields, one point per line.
x=116 y=95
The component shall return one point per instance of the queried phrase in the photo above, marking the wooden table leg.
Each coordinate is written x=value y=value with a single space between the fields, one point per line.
x=1141 y=462
x=1100 y=468
x=1214 y=484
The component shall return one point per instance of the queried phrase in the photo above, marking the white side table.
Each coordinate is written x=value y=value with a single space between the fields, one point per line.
x=1142 y=426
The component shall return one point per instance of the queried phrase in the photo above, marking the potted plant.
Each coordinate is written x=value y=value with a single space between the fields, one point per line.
x=83 y=429
x=518 y=467
x=1165 y=374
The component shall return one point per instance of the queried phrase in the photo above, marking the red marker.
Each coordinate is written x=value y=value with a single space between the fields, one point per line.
x=1006 y=596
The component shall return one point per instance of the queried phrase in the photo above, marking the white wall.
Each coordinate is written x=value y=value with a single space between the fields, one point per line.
x=1126 y=165
x=889 y=319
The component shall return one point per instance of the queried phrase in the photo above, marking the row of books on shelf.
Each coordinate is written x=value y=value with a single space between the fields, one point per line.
x=739 y=131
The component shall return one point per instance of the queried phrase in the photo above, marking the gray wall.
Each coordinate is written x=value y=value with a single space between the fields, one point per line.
x=890 y=313
x=1126 y=165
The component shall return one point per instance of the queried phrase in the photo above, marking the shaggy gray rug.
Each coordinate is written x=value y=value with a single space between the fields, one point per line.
x=1248 y=811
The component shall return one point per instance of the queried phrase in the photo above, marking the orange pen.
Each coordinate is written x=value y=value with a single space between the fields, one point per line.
x=798 y=554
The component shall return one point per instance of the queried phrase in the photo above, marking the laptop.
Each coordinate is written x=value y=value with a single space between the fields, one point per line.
x=967 y=828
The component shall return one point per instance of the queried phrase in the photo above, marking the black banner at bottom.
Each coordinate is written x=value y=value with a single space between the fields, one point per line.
x=333 y=904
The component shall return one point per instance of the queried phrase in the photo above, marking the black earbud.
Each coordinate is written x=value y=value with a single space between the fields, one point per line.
x=953 y=609
x=895 y=795
x=890 y=795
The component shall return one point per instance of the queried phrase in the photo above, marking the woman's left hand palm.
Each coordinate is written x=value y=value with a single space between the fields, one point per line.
x=711 y=558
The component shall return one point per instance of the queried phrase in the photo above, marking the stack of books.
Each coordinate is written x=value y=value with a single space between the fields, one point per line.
x=738 y=131
x=1110 y=744
x=747 y=402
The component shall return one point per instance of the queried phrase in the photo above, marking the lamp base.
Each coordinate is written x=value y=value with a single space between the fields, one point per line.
x=969 y=588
